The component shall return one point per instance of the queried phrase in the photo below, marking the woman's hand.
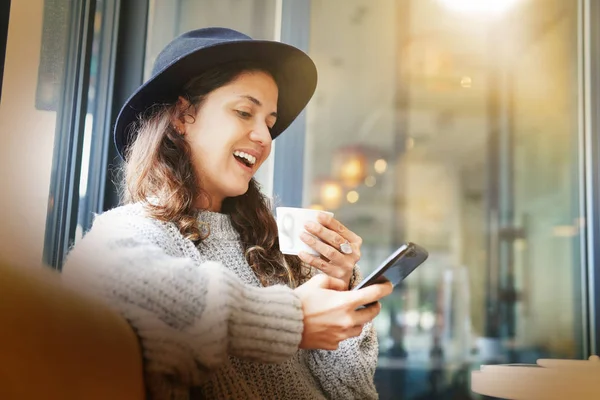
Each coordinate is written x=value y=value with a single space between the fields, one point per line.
x=330 y=311
x=335 y=238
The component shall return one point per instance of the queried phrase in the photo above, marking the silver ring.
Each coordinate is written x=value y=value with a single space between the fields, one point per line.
x=346 y=248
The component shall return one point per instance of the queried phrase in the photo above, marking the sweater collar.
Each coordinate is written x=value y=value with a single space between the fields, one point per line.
x=216 y=225
x=219 y=225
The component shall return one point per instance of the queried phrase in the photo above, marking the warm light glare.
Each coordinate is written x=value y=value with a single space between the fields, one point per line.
x=331 y=194
x=352 y=196
x=380 y=166
x=318 y=207
x=370 y=181
x=352 y=171
x=466 y=82
x=489 y=7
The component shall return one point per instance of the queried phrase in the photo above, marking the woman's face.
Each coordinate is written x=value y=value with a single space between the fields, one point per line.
x=230 y=137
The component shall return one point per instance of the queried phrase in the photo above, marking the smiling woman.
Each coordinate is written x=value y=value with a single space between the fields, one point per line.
x=192 y=258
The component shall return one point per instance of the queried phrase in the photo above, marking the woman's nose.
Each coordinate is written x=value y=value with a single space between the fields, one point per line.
x=261 y=134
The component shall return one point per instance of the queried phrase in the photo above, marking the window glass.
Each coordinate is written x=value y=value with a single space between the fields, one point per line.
x=454 y=125
x=97 y=134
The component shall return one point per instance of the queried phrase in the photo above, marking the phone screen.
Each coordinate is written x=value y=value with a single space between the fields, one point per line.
x=398 y=265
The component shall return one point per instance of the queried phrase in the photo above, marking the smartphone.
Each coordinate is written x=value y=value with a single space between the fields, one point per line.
x=398 y=265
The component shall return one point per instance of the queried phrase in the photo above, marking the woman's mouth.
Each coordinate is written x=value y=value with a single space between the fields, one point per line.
x=245 y=159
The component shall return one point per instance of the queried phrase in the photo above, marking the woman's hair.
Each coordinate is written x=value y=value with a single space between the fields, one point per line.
x=159 y=173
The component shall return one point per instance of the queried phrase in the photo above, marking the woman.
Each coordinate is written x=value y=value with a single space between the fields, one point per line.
x=192 y=259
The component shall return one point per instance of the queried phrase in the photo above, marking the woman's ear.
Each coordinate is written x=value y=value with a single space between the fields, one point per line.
x=178 y=120
x=183 y=104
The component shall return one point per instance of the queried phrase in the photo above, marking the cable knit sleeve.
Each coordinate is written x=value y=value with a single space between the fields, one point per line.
x=189 y=317
x=348 y=372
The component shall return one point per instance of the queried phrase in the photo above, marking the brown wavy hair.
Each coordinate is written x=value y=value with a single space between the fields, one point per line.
x=158 y=166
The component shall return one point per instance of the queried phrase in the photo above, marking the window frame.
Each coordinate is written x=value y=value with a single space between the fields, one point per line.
x=120 y=72
x=590 y=149
x=63 y=201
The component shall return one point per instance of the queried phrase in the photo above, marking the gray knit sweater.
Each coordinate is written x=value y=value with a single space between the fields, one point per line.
x=206 y=326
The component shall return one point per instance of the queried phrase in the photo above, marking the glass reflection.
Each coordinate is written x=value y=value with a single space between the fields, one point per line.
x=457 y=129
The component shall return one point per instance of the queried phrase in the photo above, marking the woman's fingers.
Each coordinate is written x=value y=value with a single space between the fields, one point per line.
x=327 y=235
x=331 y=316
x=367 y=314
x=322 y=265
x=369 y=294
x=326 y=282
x=354 y=331
x=322 y=248
x=335 y=239
x=334 y=225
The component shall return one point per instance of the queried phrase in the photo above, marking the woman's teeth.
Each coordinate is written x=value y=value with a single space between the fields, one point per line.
x=251 y=160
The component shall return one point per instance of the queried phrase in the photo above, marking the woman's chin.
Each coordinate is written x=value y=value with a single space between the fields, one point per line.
x=238 y=190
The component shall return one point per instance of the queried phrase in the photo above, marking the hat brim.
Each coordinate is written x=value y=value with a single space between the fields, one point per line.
x=293 y=70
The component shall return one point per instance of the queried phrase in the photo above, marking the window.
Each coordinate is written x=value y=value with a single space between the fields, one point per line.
x=81 y=78
x=43 y=91
x=74 y=82
x=97 y=134
x=444 y=127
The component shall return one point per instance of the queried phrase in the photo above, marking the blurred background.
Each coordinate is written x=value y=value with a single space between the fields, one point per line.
x=464 y=126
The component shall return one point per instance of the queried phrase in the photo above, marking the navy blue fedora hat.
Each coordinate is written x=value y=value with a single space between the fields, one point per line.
x=196 y=51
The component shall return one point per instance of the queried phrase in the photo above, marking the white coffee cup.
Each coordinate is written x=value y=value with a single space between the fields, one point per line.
x=290 y=224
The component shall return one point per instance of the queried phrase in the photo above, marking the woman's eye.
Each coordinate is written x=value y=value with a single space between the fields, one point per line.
x=243 y=114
